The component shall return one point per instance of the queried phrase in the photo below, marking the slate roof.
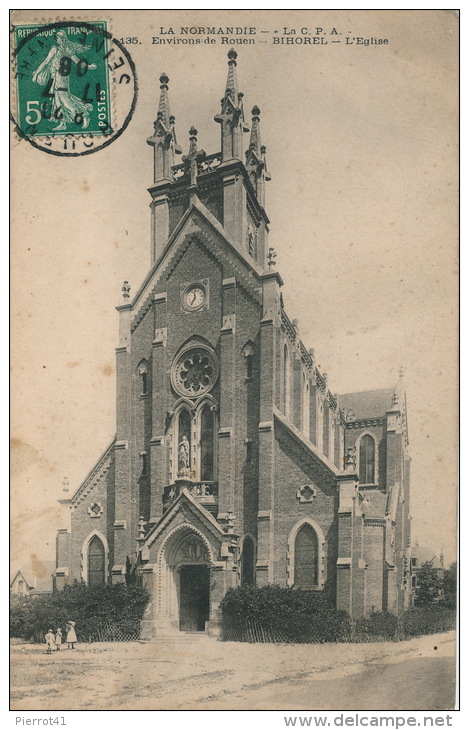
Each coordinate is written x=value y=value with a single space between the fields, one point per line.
x=366 y=403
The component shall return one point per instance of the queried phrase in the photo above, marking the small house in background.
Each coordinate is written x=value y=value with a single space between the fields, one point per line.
x=33 y=579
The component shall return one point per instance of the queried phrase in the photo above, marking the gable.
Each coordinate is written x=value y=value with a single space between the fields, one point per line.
x=192 y=513
x=96 y=475
x=196 y=222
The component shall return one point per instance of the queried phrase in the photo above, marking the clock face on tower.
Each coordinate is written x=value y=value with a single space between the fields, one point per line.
x=194 y=296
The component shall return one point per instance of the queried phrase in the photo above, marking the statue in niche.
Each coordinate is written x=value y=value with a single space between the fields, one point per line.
x=183 y=457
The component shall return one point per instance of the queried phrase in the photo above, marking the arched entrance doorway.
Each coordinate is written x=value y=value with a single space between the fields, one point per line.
x=185 y=573
x=194 y=597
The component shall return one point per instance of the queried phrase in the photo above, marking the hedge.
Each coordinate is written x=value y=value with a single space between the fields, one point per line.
x=282 y=613
x=427 y=620
x=275 y=614
x=93 y=609
x=379 y=624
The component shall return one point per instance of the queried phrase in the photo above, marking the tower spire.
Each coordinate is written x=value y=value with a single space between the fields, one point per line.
x=255 y=141
x=163 y=106
x=164 y=141
x=231 y=79
x=256 y=158
x=231 y=117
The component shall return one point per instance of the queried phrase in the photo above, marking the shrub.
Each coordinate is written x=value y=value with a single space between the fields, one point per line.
x=284 y=613
x=428 y=585
x=378 y=625
x=92 y=609
x=19 y=616
x=275 y=614
x=427 y=620
x=450 y=586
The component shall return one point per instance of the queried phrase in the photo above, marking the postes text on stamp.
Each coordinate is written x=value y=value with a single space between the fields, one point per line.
x=75 y=86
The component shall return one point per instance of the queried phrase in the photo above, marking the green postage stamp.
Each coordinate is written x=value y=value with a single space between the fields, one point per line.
x=66 y=80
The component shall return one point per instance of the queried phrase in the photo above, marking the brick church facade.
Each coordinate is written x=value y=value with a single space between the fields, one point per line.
x=233 y=463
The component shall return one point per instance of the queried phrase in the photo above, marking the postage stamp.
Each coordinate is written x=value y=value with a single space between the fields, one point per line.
x=74 y=87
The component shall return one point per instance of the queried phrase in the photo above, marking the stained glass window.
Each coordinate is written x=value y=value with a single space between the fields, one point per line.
x=306 y=558
x=206 y=444
x=367 y=460
x=96 y=562
x=247 y=563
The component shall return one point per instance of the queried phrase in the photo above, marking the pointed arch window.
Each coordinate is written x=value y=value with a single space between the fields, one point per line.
x=248 y=352
x=320 y=425
x=184 y=442
x=144 y=378
x=207 y=432
x=306 y=558
x=366 y=460
x=332 y=437
x=286 y=381
x=247 y=562
x=305 y=408
x=96 y=566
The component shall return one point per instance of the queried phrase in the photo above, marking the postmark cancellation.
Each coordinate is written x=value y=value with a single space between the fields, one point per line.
x=74 y=86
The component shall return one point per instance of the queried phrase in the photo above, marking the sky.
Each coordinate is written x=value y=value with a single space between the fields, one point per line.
x=363 y=203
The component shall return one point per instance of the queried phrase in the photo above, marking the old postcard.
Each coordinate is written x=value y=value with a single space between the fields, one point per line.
x=234 y=360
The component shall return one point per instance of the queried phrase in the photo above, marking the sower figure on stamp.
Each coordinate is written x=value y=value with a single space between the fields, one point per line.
x=56 y=69
x=50 y=641
x=71 y=635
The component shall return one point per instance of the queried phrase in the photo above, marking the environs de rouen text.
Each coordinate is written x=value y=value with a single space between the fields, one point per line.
x=248 y=35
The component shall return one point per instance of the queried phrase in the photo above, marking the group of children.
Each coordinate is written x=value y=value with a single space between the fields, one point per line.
x=54 y=641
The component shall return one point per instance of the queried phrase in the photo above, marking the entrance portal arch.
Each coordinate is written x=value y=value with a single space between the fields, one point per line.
x=184 y=561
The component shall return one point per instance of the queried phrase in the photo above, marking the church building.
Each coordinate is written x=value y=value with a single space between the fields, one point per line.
x=233 y=463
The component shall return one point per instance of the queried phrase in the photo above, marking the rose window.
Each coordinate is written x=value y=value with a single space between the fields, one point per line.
x=195 y=372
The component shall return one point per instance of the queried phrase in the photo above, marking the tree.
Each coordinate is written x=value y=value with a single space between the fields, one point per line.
x=450 y=586
x=428 y=585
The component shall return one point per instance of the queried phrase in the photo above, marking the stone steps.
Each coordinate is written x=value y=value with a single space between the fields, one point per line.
x=182 y=637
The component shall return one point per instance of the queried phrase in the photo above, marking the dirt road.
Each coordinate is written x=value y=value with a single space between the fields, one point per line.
x=412 y=675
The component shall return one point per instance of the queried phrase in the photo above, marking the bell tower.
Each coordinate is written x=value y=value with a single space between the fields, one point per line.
x=230 y=183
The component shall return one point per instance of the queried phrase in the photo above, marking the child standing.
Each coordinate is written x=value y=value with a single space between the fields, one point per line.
x=71 y=635
x=58 y=638
x=50 y=641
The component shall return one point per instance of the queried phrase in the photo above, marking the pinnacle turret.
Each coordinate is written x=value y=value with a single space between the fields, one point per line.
x=231 y=117
x=255 y=141
x=164 y=140
x=256 y=158
x=231 y=80
x=163 y=107
x=194 y=156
